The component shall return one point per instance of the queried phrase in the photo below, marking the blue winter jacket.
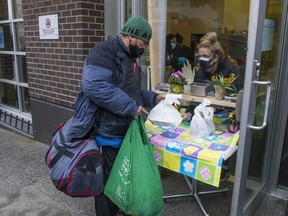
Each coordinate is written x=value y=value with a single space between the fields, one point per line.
x=110 y=93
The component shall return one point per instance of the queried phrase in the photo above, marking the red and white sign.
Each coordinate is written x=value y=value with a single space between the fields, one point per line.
x=48 y=27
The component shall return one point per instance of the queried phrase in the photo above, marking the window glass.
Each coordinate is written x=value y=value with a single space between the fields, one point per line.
x=6 y=37
x=26 y=99
x=128 y=9
x=18 y=13
x=9 y=96
x=2 y=46
x=188 y=21
x=145 y=58
x=3 y=10
x=10 y=68
x=22 y=68
x=20 y=36
x=7 y=67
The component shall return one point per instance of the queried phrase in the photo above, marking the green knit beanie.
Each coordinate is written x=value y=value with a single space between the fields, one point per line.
x=137 y=27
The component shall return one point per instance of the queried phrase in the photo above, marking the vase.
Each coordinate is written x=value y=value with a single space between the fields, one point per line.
x=219 y=92
x=177 y=88
x=233 y=128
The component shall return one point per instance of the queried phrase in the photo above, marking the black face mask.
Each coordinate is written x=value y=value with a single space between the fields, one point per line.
x=135 y=51
x=205 y=64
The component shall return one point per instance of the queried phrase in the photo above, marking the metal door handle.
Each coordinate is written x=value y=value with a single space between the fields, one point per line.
x=268 y=90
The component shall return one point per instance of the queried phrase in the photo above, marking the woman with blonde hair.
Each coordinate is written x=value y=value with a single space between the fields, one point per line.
x=212 y=61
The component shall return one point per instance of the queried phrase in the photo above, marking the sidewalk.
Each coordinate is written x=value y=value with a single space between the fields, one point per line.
x=25 y=186
x=26 y=190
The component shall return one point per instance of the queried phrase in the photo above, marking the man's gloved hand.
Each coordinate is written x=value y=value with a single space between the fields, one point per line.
x=182 y=59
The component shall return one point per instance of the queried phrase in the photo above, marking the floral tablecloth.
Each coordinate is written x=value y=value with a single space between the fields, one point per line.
x=198 y=157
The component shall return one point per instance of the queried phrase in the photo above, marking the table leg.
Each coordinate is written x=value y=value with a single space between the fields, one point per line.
x=193 y=186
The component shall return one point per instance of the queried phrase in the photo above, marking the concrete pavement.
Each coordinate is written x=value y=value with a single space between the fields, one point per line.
x=26 y=190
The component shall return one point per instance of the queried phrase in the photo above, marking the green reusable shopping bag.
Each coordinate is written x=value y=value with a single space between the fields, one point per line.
x=134 y=183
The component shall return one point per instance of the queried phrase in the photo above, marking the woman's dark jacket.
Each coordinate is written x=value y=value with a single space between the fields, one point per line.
x=110 y=93
x=224 y=68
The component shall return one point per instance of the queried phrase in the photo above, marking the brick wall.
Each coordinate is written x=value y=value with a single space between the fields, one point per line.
x=54 y=67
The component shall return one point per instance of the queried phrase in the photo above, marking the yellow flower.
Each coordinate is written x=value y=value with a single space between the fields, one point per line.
x=225 y=82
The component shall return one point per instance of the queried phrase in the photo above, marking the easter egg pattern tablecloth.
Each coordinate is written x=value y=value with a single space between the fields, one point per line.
x=198 y=157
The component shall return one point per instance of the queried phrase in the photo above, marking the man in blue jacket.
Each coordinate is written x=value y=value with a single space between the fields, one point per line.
x=111 y=96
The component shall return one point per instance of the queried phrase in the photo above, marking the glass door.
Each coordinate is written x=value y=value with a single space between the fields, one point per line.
x=283 y=172
x=261 y=72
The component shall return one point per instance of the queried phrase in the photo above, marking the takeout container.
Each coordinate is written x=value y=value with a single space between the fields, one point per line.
x=165 y=87
x=200 y=89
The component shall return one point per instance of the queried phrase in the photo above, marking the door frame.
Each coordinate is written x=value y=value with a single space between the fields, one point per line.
x=281 y=113
x=257 y=14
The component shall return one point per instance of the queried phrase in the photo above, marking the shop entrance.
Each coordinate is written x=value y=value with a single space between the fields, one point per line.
x=250 y=34
x=258 y=110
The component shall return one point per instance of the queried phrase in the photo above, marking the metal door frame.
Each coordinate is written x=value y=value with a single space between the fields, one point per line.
x=281 y=112
x=255 y=34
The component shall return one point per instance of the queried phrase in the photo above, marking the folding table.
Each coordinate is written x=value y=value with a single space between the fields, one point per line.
x=197 y=158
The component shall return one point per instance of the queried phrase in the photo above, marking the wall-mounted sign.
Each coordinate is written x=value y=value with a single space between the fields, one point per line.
x=268 y=33
x=48 y=27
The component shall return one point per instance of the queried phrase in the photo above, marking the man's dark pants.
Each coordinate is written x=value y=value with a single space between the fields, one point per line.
x=103 y=205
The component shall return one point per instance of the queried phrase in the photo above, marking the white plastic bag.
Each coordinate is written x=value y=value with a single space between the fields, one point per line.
x=188 y=72
x=202 y=123
x=164 y=113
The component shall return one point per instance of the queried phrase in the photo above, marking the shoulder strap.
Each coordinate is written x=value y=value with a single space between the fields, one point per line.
x=61 y=150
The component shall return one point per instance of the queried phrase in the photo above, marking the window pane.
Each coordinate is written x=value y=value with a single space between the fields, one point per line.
x=8 y=93
x=26 y=99
x=18 y=9
x=20 y=36
x=22 y=69
x=192 y=19
x=6 y=38
x=1 y=37
x=3 y=10
x=145 y=62
x=7 y=67
x=128 y=9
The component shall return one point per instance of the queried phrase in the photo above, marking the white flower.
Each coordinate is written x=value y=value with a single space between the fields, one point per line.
x=173 y=145
x=189 y=167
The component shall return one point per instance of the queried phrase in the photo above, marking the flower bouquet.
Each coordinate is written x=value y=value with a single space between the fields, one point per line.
x=221 y=84
x=233 y=123
x=177 y=81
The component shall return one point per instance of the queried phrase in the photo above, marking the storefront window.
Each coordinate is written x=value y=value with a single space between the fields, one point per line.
x=13 y=73
x=192 y=19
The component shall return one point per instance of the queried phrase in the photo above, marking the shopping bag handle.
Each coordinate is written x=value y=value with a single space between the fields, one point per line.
x=142 y=130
